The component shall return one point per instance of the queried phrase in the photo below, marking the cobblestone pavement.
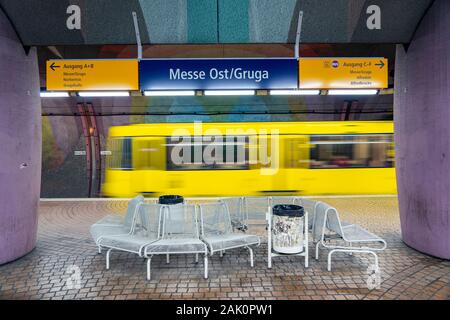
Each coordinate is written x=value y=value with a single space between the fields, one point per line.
x=64 y=241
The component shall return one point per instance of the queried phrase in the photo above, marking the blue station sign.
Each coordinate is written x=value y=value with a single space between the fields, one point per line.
x=218 y=74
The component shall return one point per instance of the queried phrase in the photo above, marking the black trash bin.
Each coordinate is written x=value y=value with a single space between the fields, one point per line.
x=170 y=199
x=288 y=228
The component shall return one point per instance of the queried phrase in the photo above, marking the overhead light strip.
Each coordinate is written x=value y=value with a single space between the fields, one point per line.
x=294 y=92
x=355 y=92
x=49 y=94
x=168 y=93
x=229 y=92
x=104 y=94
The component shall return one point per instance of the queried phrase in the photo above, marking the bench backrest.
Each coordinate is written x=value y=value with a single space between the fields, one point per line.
x=215 y=219
x=333 y=221
x=132 y=210
x=326 y=217
x=256 y=207
x=310 y=206
x=149 y=220
x=180 y=221
x=235 y=207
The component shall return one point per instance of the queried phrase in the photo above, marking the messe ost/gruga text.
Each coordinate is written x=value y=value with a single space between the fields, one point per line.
x=219 y=74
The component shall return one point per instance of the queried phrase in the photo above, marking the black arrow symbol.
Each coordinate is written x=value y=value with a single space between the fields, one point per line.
x=381 y=64
x=53 y=67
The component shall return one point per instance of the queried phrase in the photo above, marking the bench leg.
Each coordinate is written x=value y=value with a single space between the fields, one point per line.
x=376 y=260
x=167 y=258
x=329 y=260
x=196 y=258
x=317 y=250
x=149 y=261
x=99 y=249
x=251 y=256
x=352 y=251
x=206 y=265
x=306 y=258
x=107 y=258
x=269 y=256
x=306 y=246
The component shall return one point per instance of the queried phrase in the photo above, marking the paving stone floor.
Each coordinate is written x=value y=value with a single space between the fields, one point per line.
x=64 y=242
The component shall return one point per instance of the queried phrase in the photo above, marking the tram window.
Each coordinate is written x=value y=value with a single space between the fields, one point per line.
x=148 y=153
x=296 y=152
x=207 y=153
x=120 y=153
x=351 y=151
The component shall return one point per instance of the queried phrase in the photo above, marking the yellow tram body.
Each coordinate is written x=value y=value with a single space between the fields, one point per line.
x=258 y=158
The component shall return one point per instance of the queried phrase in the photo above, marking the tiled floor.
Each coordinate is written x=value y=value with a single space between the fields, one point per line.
x=64 y=241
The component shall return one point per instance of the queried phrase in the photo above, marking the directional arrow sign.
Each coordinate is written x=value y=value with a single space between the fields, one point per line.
x=89 y=75
x=381 y=64
x=53 y=66
x=343 y=73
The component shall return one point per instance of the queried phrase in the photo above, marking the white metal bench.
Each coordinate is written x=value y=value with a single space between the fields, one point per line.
x=115 y=224
x=217 y=230
x=327 y=227
x=145 y=230
x=179 y=234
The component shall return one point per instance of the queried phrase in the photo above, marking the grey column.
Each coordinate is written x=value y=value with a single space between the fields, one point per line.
x=20 y=145
x=422 y=134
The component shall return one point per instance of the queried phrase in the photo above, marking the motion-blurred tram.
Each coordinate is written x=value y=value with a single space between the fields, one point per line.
x=251 y=158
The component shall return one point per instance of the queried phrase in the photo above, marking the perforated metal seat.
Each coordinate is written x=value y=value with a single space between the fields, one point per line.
x=310 y=206
x=239 y=219
x=179 y=235
x=217 y=230
x=116 y=224
x=112 y=220
x=145 y=229
x=229 y=241
x=255 y=209
x=354 y=233
x=176 y=246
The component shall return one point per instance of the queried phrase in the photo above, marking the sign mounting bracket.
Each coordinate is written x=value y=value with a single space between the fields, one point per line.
x=297 y=37
x=138 y=35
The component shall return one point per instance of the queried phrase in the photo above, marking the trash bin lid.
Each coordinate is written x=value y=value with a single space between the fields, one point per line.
x=170 y=199
x=288 y=210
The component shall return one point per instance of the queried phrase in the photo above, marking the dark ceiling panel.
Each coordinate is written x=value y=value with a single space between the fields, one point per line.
x=43 y=22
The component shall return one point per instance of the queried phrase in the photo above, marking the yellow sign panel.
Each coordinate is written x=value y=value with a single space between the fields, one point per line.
x=89 y=75
x=343 y=73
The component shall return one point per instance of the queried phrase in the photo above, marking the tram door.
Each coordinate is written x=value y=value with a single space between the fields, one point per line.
x=271 y=179
x=294 y=163
x=149 y=164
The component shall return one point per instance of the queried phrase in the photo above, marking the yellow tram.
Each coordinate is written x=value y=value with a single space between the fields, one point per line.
x=251 y=158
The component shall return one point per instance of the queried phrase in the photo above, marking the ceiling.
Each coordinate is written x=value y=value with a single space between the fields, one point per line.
x=43 y=22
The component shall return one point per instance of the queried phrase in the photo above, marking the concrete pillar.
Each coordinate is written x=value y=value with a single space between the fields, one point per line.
x=20 y=145
x=422 y=134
